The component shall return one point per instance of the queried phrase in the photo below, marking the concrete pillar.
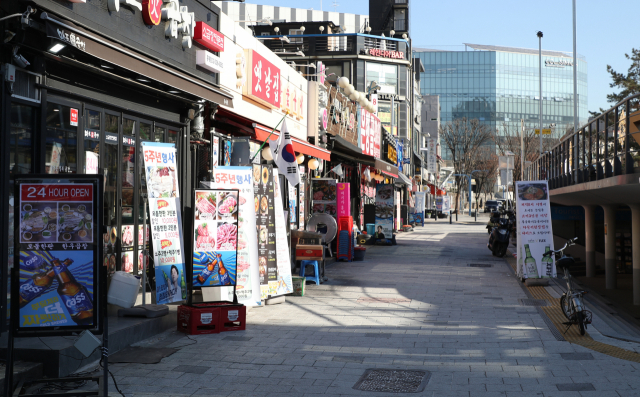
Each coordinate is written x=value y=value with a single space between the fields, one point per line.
x=590 y=238
x=610 y=246
x=635 y=247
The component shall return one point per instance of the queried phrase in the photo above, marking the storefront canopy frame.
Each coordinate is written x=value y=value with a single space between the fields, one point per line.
x=120 y=56
x=299 y=146
x=345 y=149
x=386 y=168
x=403 y=180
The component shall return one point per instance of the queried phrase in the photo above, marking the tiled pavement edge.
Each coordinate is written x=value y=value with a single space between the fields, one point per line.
x=413 y=306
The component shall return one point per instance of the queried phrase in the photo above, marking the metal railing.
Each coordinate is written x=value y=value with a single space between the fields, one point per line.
x=608 y=145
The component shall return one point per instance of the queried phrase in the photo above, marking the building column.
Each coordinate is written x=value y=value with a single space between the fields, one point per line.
x=610 y=246
x=635 y=247
x=590 y=238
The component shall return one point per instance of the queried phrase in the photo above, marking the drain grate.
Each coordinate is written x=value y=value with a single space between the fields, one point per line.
x=393 y=381
x=575 y=387
x=479 y=265
x=552 y=327
x=577 y=356
x=378 y=335
x=533 y=302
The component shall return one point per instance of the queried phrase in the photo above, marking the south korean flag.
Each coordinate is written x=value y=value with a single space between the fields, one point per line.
x=284 y=156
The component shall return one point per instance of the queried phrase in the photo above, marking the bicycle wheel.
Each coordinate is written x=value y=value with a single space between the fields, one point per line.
x=565 y=306
x=580 y=318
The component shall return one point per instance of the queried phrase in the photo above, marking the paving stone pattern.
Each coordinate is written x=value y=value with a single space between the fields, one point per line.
x=426 y=313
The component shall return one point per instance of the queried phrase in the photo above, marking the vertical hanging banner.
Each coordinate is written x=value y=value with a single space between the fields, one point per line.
x=59 y=278
x=247 y=276
x=166 y=222
x=344 y=199
x=301 y=207
x=535 y=236
x=265 y=226
x=419 y=208
x=385 y=207
x=283 y=283
x=215 y=151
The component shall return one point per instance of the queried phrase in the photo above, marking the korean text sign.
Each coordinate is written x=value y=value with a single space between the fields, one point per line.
x=161 y=172
x=247 y=275
x=369 y=134
x=58 y=278
x=263 y=80
x=535 y=235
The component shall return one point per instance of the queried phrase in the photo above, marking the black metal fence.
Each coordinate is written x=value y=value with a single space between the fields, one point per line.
x=608 y=145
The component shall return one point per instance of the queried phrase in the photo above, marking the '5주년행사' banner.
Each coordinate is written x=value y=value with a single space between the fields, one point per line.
x=161 y=172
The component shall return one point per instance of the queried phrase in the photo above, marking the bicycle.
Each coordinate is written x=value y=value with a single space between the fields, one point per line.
x=571 y=301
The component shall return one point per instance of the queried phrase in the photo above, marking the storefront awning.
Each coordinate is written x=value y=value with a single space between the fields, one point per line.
x=121 y=56
x=386 y=168
x=403 y=180
x=345 y=149
x=300 y=146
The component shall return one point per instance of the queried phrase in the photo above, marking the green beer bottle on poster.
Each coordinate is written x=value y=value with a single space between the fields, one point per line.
x=530 y=264
x=183 y=287
x=547 y=262
x=166 y=278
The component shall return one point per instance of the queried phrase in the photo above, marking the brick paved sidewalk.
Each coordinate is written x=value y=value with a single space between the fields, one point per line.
x=416 y=306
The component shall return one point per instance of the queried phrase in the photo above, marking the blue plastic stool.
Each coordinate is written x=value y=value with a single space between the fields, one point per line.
x=316 y=276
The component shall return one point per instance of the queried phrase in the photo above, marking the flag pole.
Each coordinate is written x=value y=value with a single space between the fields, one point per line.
x=266 y=140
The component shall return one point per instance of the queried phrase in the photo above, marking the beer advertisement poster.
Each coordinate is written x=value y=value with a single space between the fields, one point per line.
x=535 y=236
x=215 y=237
x=247 y=275
x=265 y=226
x=166 y=222
x=384 y=211
x=58 y=275
x=283 y=283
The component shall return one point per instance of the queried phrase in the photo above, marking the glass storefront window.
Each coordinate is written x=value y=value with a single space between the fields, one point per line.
x=61 y=139
x=384 y=113
x=145 y=132
x=92 y=142
x=173 y=137
x=21 y=132
x=158 y=134
x=385 y=75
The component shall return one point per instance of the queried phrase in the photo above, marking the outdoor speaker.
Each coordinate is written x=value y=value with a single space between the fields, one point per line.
x=240 y=153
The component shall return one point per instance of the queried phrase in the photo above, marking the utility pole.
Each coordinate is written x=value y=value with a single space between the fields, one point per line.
x=539 y=34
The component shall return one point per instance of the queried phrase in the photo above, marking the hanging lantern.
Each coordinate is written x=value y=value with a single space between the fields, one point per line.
x=266 y=153
x=300 y=158
x=313 y=164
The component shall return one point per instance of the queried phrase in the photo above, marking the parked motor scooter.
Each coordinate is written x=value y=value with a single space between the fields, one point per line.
x=493 y=221
x=499 y=238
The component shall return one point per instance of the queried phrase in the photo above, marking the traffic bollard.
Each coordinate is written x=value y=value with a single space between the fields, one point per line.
x=450 y=217
x=456 y=215
x=475 y=214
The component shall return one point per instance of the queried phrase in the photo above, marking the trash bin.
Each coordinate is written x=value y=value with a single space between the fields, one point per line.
x=358 y=253
x=371 y=229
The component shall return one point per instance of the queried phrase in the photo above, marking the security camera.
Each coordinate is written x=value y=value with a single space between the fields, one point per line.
x=19 y=59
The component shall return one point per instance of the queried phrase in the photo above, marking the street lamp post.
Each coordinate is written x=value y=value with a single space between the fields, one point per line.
x=539 y=34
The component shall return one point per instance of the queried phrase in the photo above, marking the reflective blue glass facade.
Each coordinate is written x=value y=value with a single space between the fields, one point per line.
x=502 y=87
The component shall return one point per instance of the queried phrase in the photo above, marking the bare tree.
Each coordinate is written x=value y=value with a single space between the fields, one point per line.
x=463 y=138
x=487 y=162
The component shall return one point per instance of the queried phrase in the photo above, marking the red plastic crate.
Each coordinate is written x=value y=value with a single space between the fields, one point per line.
x=199 y=320
x=232 y=317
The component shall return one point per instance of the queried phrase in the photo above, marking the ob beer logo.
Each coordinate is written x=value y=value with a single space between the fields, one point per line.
x=162 y=204
x=165 y=243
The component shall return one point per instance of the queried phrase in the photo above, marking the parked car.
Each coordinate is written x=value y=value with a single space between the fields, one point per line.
x=491 y=205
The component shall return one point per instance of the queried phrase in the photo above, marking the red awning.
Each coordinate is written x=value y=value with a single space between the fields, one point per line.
x=299 y=145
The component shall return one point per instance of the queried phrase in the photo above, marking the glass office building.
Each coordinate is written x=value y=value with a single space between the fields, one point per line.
x=500 y=85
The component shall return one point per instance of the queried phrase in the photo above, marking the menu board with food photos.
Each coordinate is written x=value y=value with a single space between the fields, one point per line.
x=58 y=251
x=324 y=196
x=215 y=237
x=265 y=226
x=241 y=178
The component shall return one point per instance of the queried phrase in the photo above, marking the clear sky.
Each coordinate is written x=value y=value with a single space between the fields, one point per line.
x=606 y=30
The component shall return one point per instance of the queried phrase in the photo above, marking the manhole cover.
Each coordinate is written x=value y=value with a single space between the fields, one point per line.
x=479 y=265
x=393 y=381
x=533 y=302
